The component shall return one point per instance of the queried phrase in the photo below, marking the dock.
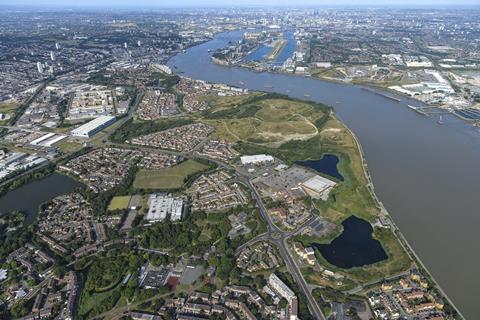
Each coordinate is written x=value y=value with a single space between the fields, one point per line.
x=429 y=110
x=382 y=94
x=418 y=110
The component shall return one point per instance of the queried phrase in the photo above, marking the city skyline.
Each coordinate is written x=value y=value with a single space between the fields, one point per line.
x=230 y=3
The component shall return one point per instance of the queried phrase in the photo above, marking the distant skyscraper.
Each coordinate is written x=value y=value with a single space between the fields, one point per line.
x=39 y=67
x=52 y=55
x=57 y=45
x=125 y=45
x=139 y=43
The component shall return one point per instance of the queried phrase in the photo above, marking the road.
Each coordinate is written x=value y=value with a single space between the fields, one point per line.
x=279 y=238
x=274 y=234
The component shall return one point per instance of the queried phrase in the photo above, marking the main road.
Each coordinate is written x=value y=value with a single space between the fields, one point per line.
x=279 y=238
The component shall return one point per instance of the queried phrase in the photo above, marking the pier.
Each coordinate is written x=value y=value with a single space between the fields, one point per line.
x=427 y=111
x=382 y=94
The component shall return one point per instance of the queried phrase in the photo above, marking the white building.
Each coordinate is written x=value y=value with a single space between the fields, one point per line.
x=3 y=274
x=159 y=206
x=256 y=159
x=280 y=287
x=163 y=68
x=283 y=290
x=318 y=187
x=40 y=67
x=92 y=127
x=12 y=162
x=42 y=138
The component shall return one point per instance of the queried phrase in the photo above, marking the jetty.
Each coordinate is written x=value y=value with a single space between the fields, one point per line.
x=382 y=94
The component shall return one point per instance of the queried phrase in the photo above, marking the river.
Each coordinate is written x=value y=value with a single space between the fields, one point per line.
x=424 y=173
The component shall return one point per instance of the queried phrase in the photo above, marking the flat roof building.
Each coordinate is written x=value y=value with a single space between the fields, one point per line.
x=283 y=290
x=318 y=187
x=90 y=128
x=3 y=274
x=162 y=205
x=256 y=159
x=280 y=287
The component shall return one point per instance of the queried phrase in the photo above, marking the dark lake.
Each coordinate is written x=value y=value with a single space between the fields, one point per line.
x=326 y=165
x=30 y=196
x=355 y=247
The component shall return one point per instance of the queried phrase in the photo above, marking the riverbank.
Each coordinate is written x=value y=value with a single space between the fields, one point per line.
x=401 y=238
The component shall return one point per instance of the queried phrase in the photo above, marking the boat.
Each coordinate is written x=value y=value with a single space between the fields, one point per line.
x=440 y=120
x=306 y=95
x=241 y=82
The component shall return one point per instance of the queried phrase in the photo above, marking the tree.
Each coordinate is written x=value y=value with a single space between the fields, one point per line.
x=224 y=267
x=352 y=313
x=283 y=303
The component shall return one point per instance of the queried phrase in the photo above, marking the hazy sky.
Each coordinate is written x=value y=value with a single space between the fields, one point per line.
x=200 y=3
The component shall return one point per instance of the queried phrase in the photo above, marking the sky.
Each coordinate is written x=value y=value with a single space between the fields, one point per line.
x=223 y=3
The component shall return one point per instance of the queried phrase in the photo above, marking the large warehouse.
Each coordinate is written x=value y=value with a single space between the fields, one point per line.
x=90 y=128
x=256 y=159
x=318 y=187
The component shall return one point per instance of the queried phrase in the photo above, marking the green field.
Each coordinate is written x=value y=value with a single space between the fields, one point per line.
x=8 y=107
x=119 y=203
x=168 y=178
x=269 y=121
x=69 y=146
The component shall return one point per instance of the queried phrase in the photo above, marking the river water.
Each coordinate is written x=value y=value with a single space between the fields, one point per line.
x=426 y=174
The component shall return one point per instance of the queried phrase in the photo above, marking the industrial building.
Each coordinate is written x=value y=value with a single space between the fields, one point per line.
x=256 y=159
x=47 y=140
x=11 y=162
x=159 y=206
x=318 y=187
x=90 y=128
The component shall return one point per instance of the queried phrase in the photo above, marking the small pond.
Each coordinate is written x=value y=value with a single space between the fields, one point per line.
x=355 y=247
x=326 y=165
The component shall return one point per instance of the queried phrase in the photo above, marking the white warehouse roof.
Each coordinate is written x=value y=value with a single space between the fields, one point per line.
x=258 y=158
x=318 y=184
x=93 y=126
